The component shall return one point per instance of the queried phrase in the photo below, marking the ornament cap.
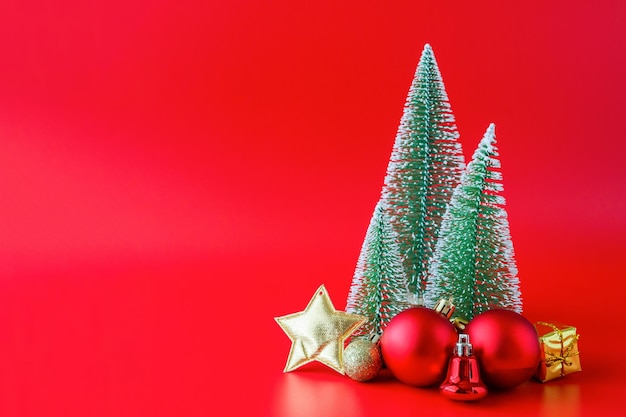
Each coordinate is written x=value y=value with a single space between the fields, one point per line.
x=445 y=307
x=463 y=346
x=459 y=323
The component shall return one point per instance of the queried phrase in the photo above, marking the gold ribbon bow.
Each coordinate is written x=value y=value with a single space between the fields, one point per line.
x=562 y=358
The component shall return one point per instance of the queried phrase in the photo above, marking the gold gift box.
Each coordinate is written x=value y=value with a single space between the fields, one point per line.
x=559 y=351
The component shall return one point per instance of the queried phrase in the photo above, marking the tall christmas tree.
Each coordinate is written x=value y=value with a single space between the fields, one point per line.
x=474 y=261
x=379 y=286
x=426 y=164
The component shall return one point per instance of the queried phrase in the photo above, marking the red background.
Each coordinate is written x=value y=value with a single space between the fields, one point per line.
x=175 y=174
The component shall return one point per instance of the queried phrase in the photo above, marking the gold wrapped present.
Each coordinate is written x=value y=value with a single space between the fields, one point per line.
x=559 y=351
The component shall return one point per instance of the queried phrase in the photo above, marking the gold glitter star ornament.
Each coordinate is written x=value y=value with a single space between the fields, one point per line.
x=318 y=333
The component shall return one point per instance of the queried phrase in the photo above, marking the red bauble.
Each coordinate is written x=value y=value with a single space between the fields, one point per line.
x=507 y=347
x=416 y=346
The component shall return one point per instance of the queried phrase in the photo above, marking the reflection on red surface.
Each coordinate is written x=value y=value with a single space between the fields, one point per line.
x=306 y=395
x=561 y=400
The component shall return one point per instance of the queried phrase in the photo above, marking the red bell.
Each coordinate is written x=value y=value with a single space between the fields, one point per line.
x=463 y=381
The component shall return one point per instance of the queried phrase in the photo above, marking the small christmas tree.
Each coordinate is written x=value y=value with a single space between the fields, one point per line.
x=474 y=262
x=425 y=165
x=379 y=286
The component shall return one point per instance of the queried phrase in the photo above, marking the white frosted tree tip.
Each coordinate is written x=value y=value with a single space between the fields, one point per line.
x=427 y=51
x=488 y=142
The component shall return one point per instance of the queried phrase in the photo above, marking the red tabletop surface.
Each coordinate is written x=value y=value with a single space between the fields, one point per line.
x=177 y=174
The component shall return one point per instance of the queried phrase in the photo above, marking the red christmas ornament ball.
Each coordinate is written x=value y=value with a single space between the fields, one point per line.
x=416 y=346
x=507 y=347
